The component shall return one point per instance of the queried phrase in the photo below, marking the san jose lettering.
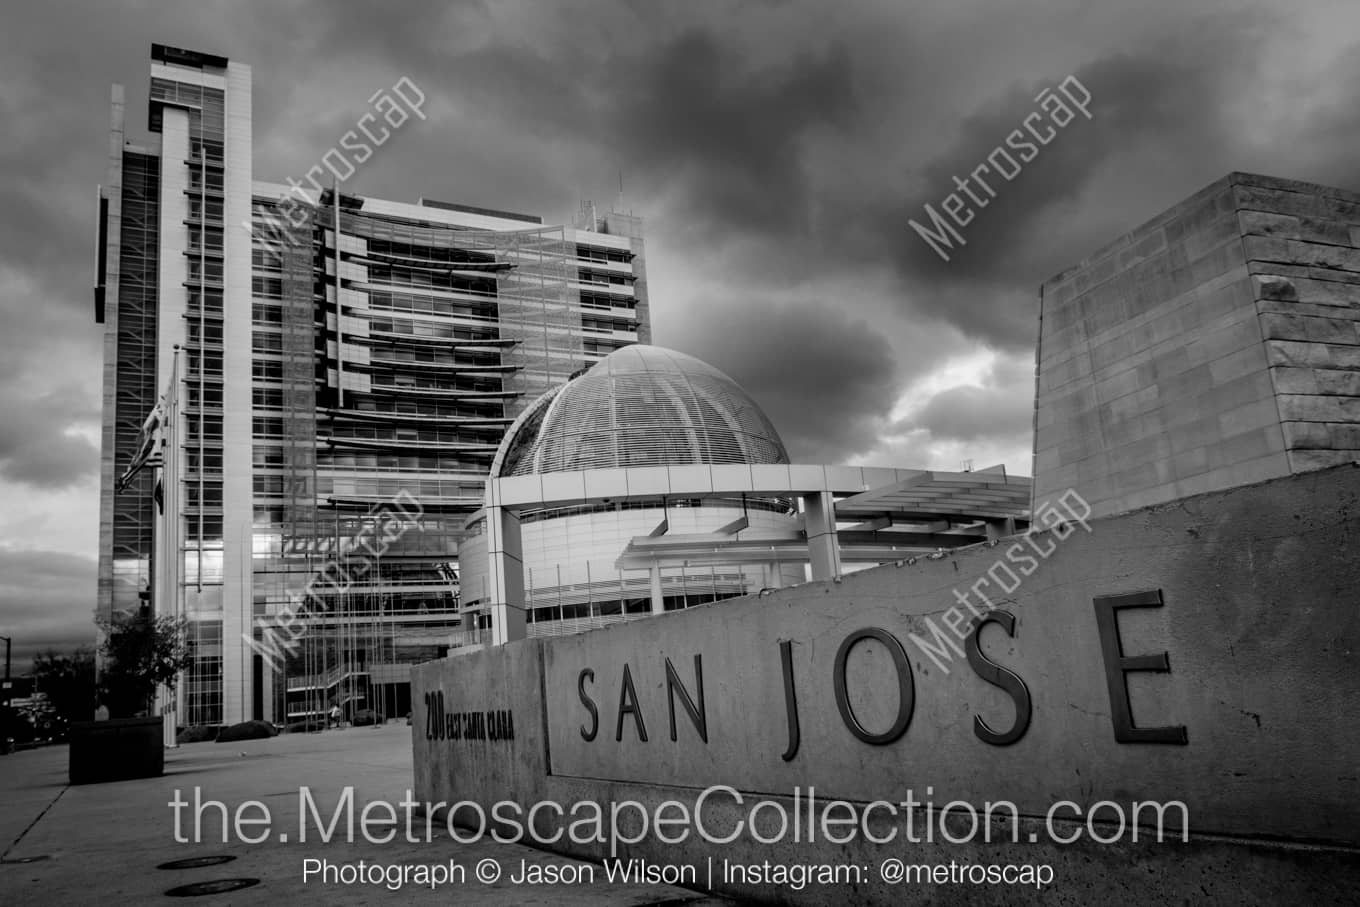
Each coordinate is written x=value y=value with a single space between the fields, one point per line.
x=684 y=695
x=692 y=704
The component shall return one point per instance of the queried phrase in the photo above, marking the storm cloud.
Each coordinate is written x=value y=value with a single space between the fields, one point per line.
x=823 y=378
x=46 y=601
x=776 y=150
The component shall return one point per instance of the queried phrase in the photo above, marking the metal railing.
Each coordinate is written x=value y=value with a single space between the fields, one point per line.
x=324 y=681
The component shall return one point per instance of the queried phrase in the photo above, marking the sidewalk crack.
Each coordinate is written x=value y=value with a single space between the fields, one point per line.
x=24 y=833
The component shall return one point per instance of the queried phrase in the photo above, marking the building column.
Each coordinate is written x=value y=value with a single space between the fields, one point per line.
x=998 y=529
x=819 y=522
x=171 y=307
x=658 y=600
x=238 y=599
x=267 y=691
x=774 y=575
x=505 y=581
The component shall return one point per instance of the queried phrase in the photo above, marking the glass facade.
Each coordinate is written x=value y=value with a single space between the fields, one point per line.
x=390 y=346
x=128 y=540
x=391 y=362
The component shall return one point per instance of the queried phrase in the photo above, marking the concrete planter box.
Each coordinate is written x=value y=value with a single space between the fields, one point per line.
x=116 y=750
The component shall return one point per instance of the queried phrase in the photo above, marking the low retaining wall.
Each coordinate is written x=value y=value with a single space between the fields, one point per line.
x=1200 y=654
x=118 y=749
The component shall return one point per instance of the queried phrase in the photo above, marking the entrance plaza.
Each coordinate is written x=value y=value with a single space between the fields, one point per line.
x=102 y=843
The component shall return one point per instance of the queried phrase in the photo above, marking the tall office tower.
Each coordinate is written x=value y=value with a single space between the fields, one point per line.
x=317 y=362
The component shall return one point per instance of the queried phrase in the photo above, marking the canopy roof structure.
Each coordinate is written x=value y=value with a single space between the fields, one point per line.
x=923 y=513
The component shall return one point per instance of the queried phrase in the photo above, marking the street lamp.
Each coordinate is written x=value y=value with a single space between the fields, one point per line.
x=6 y=742
x=8 y=686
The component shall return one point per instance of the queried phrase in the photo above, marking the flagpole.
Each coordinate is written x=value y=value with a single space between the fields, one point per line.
x=172 y=557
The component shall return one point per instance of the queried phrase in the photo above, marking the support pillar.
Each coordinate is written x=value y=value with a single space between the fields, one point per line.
x=506 y=576
x=267 y=693
x=776 y=574
x=658 y=600
x=819 y=522
x=999 y=529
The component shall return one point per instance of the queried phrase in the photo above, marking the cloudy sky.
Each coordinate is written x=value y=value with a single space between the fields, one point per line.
x=778 y=151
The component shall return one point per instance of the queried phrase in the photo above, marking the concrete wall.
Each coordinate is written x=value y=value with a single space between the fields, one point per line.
x=1258 y=621
x=1214 y=346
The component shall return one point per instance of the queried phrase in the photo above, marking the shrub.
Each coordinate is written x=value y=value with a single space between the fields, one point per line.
x=246 y=730
x=305 y=726
x=200 y=734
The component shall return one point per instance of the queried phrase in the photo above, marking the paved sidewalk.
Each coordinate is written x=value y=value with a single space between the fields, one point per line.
x=102 y=843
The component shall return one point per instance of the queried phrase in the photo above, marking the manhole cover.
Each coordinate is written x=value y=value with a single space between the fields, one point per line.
x=196 y=862
x=216 y=886
x=27 y=859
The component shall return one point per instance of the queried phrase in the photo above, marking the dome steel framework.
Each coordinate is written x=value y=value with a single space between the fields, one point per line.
x=640 y=406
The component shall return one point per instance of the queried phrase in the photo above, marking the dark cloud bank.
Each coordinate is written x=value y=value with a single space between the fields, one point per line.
x=777 y=154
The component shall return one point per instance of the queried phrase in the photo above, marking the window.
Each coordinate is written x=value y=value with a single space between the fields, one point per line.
x=263 y=313
x=211 y=180
x=209 y=271
x=266 y=260
x=205 y=209
x=208 y=301
x=209 y=461
x=207 y=149
x=205 y=362
x=268 y=516
x=266 y=397
x=266 y=370
x=209 y=332
x=211 y=525
x=267 y=456
x=267 y=287
x=266 y=428
x=209 y=396
x=205 y=427
x=268 y=485
x=209 y=496
x=203 y=680
x=209 y=239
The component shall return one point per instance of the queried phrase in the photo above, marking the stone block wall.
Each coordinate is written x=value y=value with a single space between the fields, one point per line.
x=1302 y=245
x=1215 y=346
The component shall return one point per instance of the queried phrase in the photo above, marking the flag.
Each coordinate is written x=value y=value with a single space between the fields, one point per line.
x=147 y=438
